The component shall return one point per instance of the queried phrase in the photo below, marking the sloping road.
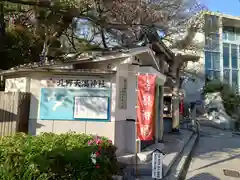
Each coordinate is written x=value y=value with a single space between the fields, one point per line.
x=217 y=151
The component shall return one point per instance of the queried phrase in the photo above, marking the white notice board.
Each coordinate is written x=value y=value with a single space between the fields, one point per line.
x=157 y=165
x=88 y=107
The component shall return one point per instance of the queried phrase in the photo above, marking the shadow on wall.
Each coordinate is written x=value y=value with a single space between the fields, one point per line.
x=202 y=176
x=14 y=113
x=11 y=123
x=33 y=126
x=33 y=116
x=8 y=123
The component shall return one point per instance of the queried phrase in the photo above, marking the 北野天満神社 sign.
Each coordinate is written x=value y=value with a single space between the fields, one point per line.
x=76 y=83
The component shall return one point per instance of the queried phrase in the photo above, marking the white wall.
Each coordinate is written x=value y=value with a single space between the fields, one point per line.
x=126 y=130
x=116 y=129
x=36 y=126
x=120 y=131
x=16 y=84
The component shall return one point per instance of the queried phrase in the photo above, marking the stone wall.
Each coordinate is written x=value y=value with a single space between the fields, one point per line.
x=215 y=111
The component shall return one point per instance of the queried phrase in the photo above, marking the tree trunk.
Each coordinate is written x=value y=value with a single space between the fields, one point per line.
x=175 y=102
x=175 y=71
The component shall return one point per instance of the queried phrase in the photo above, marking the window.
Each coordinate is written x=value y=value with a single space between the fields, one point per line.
x=238 y=34
x=211 y=23
x=225 y=55
x=224 y=35
x=215 y=41
x=212 y=42
x=235 y=80
x=212 y=60
x=208 y=43
x=229 y=33
x=208 y=60
x=216 y=61
x=234 y=56
x=231 y=36
x=210 y=20
x=226 y=76
x=208 y=23
x=239 y=51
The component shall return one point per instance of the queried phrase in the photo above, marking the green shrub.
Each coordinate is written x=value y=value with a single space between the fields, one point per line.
x=68 y=156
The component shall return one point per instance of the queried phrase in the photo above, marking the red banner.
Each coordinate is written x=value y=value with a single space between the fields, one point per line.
x=145 y=110
x=181 y=111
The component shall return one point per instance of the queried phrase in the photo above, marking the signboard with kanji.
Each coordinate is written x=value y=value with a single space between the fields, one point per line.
x=157 y=164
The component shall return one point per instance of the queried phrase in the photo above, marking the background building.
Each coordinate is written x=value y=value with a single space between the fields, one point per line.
x=221 y=52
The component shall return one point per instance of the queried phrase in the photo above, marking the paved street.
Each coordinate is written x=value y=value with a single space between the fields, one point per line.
x=217 y=151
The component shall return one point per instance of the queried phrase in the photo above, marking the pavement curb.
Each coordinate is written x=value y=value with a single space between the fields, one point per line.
x=169 y=167
x=143 y=160
x=181 y=162
x=146 y=156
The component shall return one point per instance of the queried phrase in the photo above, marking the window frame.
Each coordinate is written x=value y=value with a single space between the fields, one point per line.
x=228 y=56
x=213 y=56
x=234 y=68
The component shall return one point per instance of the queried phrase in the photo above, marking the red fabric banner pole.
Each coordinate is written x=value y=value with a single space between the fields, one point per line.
x=145 y=110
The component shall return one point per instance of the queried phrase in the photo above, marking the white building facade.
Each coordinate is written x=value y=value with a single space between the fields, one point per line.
x=222 y=47
x=219 y=55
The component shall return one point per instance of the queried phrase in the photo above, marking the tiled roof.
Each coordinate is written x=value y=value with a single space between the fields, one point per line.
x=70 y=59
x=62 y=71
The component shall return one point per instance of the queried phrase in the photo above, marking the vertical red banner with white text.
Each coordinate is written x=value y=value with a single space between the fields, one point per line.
x=145 y=103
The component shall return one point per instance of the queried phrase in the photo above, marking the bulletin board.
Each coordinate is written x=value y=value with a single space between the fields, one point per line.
x=86 y=107
x=75 y=104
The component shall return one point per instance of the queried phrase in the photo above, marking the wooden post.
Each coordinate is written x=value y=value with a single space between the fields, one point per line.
x=136 y=124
